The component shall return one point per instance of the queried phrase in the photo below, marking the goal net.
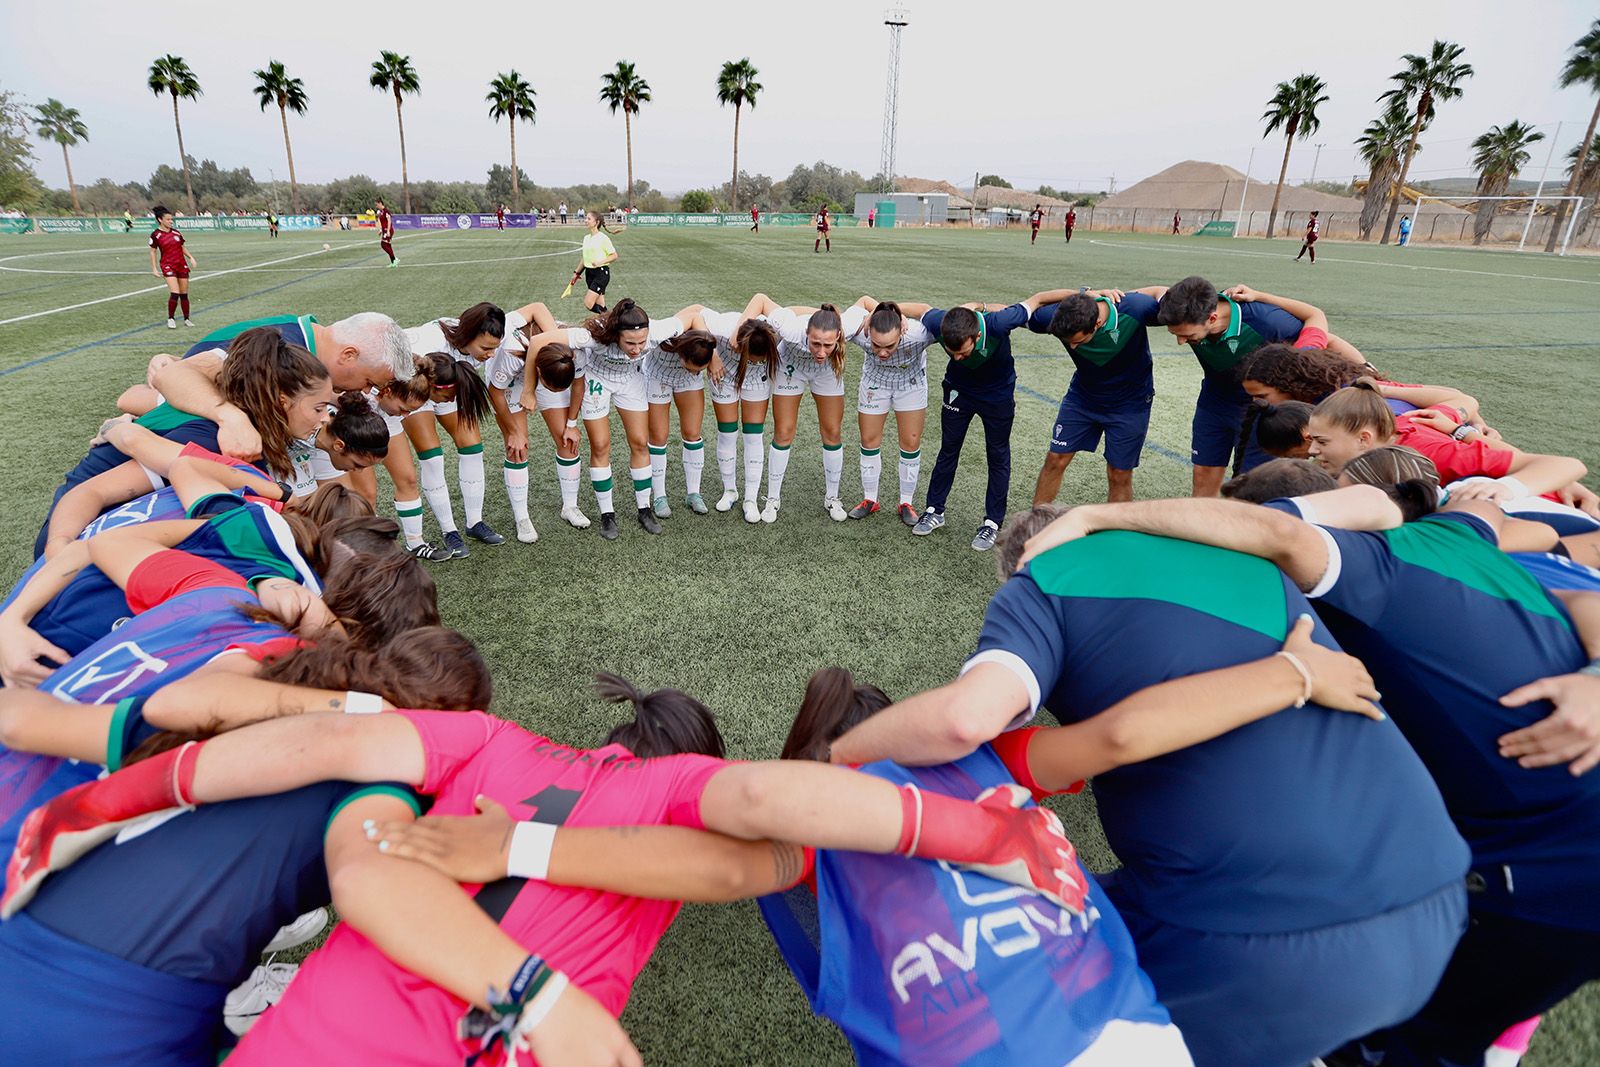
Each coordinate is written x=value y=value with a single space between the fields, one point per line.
x=1522 y=222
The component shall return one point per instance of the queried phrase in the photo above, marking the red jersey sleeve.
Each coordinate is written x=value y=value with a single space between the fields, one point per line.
x=450 y=739
x=684 y=782
x=170 y=573
x=1012 y=748
x=1312 y=337
x=1454 y=459
x=271 y=648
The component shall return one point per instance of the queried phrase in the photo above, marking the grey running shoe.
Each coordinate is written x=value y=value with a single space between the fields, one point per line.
x=985 y=538
x=697 y=503
x=930 y=521
x=662 y=509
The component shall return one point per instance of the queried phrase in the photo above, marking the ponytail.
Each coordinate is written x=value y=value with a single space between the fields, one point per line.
x=554 y=366
x=1247 y=430
x=1358 y=408
x=694 y=347
x=886 y=318
x=425 y=667
x=472 y=396
x=622 y=316
x=665 y=722
x=833 y=704
x=757 y=343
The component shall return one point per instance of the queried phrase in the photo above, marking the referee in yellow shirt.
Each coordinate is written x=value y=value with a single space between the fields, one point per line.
x=598 y=255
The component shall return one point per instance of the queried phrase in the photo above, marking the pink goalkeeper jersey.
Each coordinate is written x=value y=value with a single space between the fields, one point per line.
x=350 y=1004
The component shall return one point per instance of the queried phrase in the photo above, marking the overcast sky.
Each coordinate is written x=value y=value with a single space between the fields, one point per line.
x=1005 y=86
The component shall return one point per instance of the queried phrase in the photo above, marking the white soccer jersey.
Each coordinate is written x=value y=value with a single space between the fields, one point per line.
x=909 y=363
x=609 y=362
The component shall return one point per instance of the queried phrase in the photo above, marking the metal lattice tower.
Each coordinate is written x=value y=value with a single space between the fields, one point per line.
x=896 y=19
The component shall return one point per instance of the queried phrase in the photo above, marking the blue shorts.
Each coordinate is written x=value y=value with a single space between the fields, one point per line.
x=1277 y=1000
x=76 y=1004
x=1214 y=434
x=1080 y=424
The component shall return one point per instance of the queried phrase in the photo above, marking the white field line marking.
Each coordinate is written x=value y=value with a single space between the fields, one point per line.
x=1361 y=262
x=262 y=269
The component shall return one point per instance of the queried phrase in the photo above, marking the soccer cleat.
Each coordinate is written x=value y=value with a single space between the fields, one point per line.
x=482 y=531
x=394 y=263
x=931 y=520
x=727 y=500
x=835 y=510
x=172 y=324
x=297 y=933
x=752 y=511
x=575 y=517
x=769 y=514
x=457 y=547
x=608 y=525
x=660 y=506
x=186 y=322
x=647 y=519
x=525 y=531
x=864 y=509
x=907 y=513
x=697 y=503
x=429 y=553
x=984 y=539
x=260 y=991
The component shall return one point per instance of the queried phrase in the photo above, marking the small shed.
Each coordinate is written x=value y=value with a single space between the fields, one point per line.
x=910 y=209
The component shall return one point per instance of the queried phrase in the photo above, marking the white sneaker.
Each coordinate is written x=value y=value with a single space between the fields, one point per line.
x=752 y=511
x=835 y=509
x=260 y=991
x=298 y=932
x=172 y=324
x=575 y=517
x=525 y=531
x=770 y=512
x=727 y=500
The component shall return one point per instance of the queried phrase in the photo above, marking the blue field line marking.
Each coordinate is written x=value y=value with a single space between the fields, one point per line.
x=31 y=288
x=106 y=341
x=1165 y=453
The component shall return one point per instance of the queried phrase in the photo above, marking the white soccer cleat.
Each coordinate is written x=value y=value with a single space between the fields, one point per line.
x=752 y=511
x=769 y=513
x=525 y=531
x=835 y=509
x=575 y=518
x=727 y=500
x=172 y=324
x=260 y=991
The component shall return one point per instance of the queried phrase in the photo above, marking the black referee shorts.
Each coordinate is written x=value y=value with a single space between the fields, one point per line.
x=597 y=279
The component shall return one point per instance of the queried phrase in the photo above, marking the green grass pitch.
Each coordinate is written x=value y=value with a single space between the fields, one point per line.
x=740 y=615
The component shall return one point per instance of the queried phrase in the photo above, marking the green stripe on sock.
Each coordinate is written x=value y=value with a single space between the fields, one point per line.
x=470 y=450
x=603 y=485
x=516 y=466
x=641 y=484
x=832 y=448
x=870 y=451
x=431 y=453
x=754 y=427
x=694 y=446
x=780 y=448
x=911 y=455
x=573 y=462
x=658 y=450
x=406 y=513
x=728 y=427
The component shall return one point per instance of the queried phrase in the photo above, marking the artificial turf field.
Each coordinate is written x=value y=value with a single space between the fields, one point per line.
x=740 y=615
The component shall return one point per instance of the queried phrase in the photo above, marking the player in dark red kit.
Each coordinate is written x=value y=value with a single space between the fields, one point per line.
x=824 y=227
x=1310 y=243
x=1072 y=220
x=500 y=216
x=755 y=219
x=1177 y=220
x=171 y=261
x=386 y=231
x=1035 y=219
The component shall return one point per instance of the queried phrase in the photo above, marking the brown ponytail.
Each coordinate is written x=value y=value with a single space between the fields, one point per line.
x=472 y=396
x=694 y=347
x=833 y=704
x=555 y=367
x=425 y=667
x=757 y=343
x=665 y=722
x=1358 y=408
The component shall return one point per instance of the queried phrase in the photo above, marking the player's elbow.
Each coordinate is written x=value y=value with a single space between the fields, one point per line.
x=356 y=888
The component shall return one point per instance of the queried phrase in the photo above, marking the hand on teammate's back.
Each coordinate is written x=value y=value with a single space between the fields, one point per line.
x=20 y=649
x=465 y=848
x=238 y=439
x=578 y=1032
x=1338 y=681
x=1570 y=734
x=1069 y=527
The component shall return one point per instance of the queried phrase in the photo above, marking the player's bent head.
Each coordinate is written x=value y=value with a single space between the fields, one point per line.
x=958 y=332
x=1019 y=527
x=834 y=703
x=358 y=436
x=756 y=340
x=427 y=667
x=884 y=326
x=478 y=332
x=666 y=722
x=1189 y=305
x=694 y=347
x=379 y=596
x=376 y=347
x=1277 y=372
x=1281 y=429
x=1075 y=320
x=1279 y=478
x=624 y=324
x=555 y=366
x=1409 y=477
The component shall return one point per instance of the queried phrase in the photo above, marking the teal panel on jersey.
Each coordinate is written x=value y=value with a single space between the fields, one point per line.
x=164 y=417
x=1453 y=550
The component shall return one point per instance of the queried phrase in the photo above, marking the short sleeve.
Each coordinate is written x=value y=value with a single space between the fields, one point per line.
x=153 y=242
x=503 y=370
x=1276 y=324
x=1470 y=521
x=933 y=320
x=853 y=319
x=579 y=338
x=1005 y=320
x=270 y=649
x=1289 y=506
x=788 y=325
x=1022 y=633
x=1311 y=337
x=1454 y=459
x=322 y=468
x=449 y=740
x=665 y=329
x=1360 y=574
x=721 y=323
x=915 y=334
x=1141 y=306
x=170 y=573
x=1039 y=321
x=606 y=247
x=689 y=775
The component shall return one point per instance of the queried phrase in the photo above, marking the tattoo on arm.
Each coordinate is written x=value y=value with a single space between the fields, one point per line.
x=787 y=862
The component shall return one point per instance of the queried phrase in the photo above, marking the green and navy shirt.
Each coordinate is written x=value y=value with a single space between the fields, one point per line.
x=1113 y=366
x=1250 y=326
x=1253 y=831
x=296 y=329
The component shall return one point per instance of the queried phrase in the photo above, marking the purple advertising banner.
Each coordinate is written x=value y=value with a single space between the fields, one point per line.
x=463 y=222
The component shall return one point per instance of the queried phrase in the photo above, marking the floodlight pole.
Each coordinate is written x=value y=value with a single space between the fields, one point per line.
x=1246 y=189
x=1535 y=201
x=896 y=19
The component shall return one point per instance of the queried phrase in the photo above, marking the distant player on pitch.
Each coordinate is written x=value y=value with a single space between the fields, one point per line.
x=385 y=231
x=1035 y=218
x=171 y=261
x=1310 y=243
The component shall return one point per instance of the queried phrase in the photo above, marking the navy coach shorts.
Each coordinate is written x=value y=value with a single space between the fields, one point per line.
x=1080 y=423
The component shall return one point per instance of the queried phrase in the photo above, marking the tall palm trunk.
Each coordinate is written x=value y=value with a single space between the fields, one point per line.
x=736 y=157
x=294 y=188
x=1372 y=203
x=188 y=186
x=405 y=175
x=516 y=183
x=1288 y=143
x=1572 y=183
x=1405 y=169
x=1486 y=207
x=627 y=122
x=72 y=186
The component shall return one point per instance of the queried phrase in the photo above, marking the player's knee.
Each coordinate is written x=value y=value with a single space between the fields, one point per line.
x=1056 y=462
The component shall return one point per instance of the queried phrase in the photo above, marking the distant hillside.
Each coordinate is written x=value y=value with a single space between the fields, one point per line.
x=1468 y=186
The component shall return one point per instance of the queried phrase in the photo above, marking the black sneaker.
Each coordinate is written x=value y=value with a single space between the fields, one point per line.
x=457 y=547
x=647 y=519
x=482 y=531
x=430 y=553
x=608 y=525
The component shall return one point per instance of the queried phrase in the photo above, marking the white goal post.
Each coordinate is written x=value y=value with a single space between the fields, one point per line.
x=1518 y=223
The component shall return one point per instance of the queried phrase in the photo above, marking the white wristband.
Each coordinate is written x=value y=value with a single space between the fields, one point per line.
x=358 y=703
x=529 y=857
x=572 y=424
x=534 y=1012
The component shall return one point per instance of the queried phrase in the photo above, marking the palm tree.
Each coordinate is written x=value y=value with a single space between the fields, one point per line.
x=393 y=72
x=1582 y=68
x=1498 y=155
x=623 y=88
x=1588 y=185
x=274 y=86
x=1294 y=108
x=170 y=74
x=512 y=98
x=1430 y=79
x=59 y=123
x=737 y=85
x=1381 y=146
